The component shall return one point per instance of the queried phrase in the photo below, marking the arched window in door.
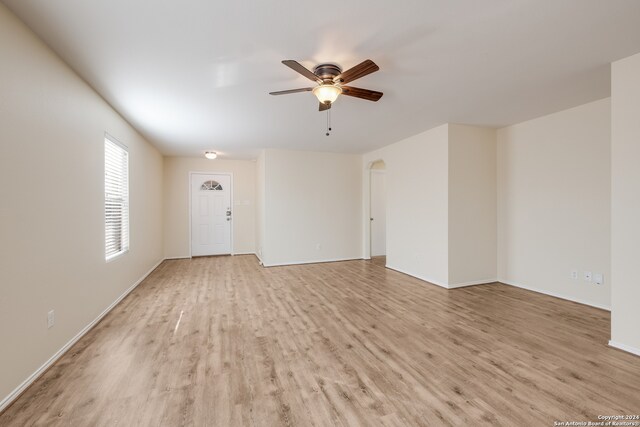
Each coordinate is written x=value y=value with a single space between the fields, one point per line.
x=211 y=186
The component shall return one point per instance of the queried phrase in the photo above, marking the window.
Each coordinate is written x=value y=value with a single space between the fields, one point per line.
x=116 y=198
x=211 y=186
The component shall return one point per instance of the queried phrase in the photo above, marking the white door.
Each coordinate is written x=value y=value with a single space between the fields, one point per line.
x=210 y=214
x=378 y=213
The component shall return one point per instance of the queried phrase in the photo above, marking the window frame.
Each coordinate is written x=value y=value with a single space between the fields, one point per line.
x=125 y=217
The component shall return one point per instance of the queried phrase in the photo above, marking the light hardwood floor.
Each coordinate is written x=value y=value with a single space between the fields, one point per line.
x=348 y=343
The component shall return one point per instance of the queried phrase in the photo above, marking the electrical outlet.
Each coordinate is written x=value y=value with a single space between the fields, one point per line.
x=587 y=276
x=318 y=247
x=598 y=278
x=51 y=318
x=574 y=274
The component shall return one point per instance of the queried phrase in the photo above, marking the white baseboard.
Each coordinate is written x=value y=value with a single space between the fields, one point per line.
x=442 y=285
x=417 y=276
x=189 y=257
x=556 y=295
x=4 y=403
x=474 y=283
x=624 y=347
x=318 y=261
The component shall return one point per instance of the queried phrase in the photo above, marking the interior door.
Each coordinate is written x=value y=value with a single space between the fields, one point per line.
x=378 y=213
x=211 y=214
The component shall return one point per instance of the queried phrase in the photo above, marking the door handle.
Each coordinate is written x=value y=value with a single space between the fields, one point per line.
x=370 y=219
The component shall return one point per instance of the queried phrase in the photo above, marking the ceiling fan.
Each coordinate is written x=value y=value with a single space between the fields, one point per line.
x=331 y=82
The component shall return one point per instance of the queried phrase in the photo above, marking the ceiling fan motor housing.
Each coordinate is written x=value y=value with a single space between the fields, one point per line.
x=327 y=71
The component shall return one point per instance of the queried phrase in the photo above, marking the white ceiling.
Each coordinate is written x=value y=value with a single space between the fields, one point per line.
x=193 y=75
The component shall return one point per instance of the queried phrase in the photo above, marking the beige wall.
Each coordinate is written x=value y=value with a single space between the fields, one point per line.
x=625 y=204
x=473 y=246
x=441 y=204
x=313 y=207
x=417 y=204
x=52 y=213
x=554 y=203
x=176 y=202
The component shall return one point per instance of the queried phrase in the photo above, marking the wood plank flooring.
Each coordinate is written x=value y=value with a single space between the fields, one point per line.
x=221 y=341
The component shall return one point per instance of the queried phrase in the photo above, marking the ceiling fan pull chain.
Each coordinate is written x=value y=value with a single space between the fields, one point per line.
x=328 y=128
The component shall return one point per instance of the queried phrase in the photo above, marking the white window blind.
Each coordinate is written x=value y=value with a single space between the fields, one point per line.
x=116 y=199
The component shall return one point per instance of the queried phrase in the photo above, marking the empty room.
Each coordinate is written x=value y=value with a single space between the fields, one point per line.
x=288 y=213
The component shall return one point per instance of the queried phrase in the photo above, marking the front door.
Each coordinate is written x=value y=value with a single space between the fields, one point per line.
x=210 y=214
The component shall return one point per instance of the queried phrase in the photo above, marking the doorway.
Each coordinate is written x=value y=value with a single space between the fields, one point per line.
x=378 y=209
x=211 y=214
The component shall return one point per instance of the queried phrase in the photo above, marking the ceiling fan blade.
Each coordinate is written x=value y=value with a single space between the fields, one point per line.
x=360 y=70
x=324 y=107
x=296 y=66
x=284 y=92
x=369 y=95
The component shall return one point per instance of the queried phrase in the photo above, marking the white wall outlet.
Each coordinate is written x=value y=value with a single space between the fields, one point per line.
x=587 y=276
x=318 y=247
x=574 y=274
x=598 y=278
x=51 y=318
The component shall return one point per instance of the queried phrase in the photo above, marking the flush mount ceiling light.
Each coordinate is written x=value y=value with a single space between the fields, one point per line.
x=210 y=155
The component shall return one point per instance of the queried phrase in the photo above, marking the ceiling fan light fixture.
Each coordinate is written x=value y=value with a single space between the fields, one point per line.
x=211 y=155
x=327 y=93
